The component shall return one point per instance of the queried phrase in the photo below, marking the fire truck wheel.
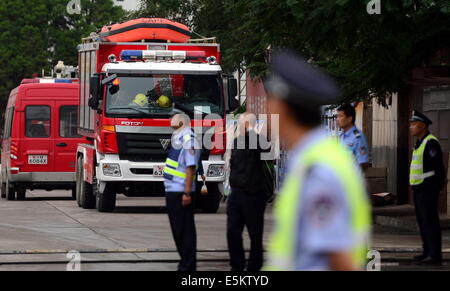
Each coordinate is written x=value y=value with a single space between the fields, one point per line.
x=21 y=193
x=78 y=184
x=211 y=203
x=74 y=193
x=106 y=201
x=3 y=189
x=10 y=191
x=85 y=193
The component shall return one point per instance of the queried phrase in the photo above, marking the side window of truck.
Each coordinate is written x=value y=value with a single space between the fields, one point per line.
x=37 y=121
x=68 y=121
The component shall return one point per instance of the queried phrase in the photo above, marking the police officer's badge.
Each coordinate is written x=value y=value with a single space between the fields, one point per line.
x=363 y=151
x=323 y=210
x=433 y=153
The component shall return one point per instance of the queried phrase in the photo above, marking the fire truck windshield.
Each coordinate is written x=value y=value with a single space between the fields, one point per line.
x=142 y=96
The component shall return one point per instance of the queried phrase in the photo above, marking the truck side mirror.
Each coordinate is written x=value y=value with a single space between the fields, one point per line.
x=233 y=103
x=94 y=99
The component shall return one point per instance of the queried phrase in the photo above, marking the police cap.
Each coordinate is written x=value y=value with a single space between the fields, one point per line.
x=419 y=116
x=300 y=83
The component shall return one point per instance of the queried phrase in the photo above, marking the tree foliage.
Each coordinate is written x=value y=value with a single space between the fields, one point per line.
x=365 y=53
x=35 y=34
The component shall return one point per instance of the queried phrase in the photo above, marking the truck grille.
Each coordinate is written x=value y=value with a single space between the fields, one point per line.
x=142 y=147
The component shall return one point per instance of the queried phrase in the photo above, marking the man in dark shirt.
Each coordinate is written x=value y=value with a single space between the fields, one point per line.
x=247 y=202
x=427 y=178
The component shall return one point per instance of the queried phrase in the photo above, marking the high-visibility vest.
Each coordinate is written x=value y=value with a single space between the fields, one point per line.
x=416 y=174
x=172 y=168
x=282 y=248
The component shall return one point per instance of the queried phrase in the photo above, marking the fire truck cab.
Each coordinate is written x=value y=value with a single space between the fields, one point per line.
x=127 y=93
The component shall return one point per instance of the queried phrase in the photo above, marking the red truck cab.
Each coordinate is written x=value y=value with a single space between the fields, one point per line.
x=128 y=145
x=40 y=137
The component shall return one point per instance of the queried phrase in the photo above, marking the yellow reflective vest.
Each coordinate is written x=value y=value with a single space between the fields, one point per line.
x=416 y=174
x=281 y=252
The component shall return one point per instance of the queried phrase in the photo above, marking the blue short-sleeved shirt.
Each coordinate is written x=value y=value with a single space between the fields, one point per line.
x=356 y=142
x=324 y=220
x=189 y=157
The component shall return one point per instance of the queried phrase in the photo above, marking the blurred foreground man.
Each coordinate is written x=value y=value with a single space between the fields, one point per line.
x=427 y=178
x=322 y=214
x=179 y=181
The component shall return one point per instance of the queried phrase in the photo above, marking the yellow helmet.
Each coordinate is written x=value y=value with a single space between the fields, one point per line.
x=141 y=100
x=164 y=102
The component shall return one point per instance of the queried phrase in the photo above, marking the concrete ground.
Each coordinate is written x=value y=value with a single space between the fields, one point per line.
x=36 y=234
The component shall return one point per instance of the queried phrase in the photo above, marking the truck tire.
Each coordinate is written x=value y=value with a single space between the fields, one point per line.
x=3 y=189
x=21 y=193
x=84 y=194
x=74 y=193
x=10 y=191
x=78 y=184
x=106 y=201
x=211 y=202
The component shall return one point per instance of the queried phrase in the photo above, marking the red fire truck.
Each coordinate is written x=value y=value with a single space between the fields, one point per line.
x=127 y=93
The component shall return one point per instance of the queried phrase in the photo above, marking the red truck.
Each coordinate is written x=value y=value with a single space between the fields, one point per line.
x=40 y=137
x=127 y=92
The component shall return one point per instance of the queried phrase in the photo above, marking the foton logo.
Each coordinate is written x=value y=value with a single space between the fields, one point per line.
x=165 y=143
x=130 y=123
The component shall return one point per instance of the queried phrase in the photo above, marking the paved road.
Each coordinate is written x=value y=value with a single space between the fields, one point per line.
x=50 y=222
x=37 y=233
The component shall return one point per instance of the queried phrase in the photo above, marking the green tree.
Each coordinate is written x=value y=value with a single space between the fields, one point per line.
x=35 y=34
x=367 y=54
x=177 y=10
x=205 y=18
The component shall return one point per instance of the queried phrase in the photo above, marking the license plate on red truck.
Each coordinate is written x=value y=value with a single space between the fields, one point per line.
x=158 y=171
x=37 y=159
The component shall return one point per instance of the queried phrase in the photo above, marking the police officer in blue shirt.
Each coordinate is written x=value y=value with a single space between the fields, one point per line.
x=322 y=218
x=351 y=136
x=180 y=176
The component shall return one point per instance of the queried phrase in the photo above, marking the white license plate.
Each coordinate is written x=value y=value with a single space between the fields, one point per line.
x=158 y=171
x=38 y=160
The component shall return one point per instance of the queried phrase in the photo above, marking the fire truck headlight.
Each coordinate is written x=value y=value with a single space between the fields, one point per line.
x=216 y=171
x=112 y=170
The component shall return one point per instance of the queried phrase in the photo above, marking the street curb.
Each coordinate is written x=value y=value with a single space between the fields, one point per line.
x=405 y=250
x=407 y=224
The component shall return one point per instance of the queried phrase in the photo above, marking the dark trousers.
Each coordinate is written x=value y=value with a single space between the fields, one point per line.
x=426 y=201
x=183 y=230
x=245 y=210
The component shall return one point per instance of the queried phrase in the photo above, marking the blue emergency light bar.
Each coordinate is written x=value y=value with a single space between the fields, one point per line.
x=46 y=81
x=131 y=55
x=50 y=81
